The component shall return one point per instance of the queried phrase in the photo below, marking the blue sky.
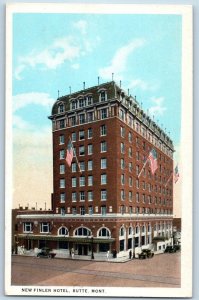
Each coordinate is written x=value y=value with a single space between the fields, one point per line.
x=52 y=52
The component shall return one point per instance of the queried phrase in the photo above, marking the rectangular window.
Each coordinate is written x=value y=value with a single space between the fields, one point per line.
x=122 y=195
x=90 y=195
x=103 y=163
x=62 y=154
x=90 y=149
x=27 y=227
x=73 y=121
x=74 y=210
x=137 y=155
x=122 y=148
x=82 y=196
x=74 y=167
x=137 y=184
x=44 y=227
x=137 y=197
x=81 y=102
x=90 y=165
x=61 y=169
x=130 y=181
x=82 y=166
x=61 y=139
x=82 y=210
x=130 y=167
x=103 y=210
x=73 y=136
x=103 y=179
x=62 y=197
x=130 y=137
x=81 y=135
x=62 y=183
x=143 y=198
x=103 y=113
x=82 y=181
x=74 y=181
x=103 y=195
x=103 y=130
x=130 y=152
x=61 y=124
x=122 y=114
x=89 y=100
x=122 y=131
x=90 y=133
x=90 y=116
x=81 y=118
x=137 y=170
x=81 y=150
x=122 y=163
x=74 y=196
x=90 y=180
x=62 y=211
x=122 y=179
x=130 y=196
x=103 y=146
x=103 y=96
x=90 y=210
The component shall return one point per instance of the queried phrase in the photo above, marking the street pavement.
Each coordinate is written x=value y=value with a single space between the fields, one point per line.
x=162 y=270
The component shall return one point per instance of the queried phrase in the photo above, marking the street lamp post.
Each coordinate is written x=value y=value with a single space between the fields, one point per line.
x=16 y=244
x=92 y=254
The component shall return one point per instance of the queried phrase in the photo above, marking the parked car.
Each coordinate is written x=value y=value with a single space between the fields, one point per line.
x=177 y=247
x=146 y=253
x=46 y=253
x=170 y=249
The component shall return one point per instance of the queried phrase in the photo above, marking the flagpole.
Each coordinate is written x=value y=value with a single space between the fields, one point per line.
x=169 y=179
x=75 y=155
x=143 y=168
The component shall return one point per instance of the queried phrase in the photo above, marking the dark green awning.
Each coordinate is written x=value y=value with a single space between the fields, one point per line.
x=82 y=240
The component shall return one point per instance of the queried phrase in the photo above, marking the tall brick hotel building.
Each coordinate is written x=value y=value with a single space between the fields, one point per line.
x=109 y=198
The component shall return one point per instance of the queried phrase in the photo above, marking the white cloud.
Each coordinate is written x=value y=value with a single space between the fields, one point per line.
x=141 y=84
x=158 y=108
x=119 y=60
x=75 y=66
x=18 y=122
x=22 y=100
x=61 y=50
x=81 y=25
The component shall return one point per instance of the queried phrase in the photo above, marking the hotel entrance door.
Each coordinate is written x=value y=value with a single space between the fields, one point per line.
x=82 y=249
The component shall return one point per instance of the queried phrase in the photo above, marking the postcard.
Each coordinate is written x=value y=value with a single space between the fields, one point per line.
x=98 y=150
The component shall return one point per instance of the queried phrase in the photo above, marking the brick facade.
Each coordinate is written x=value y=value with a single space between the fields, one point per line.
x=120 y=207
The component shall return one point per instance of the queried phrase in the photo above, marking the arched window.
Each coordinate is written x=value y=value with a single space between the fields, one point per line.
x=122 y=231
x=104 y=232
x=137 y=229
x=130 y=230
x=82 y=231
x=63 y=231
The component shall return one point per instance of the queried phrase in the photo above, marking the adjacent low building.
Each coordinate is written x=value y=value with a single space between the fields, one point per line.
x=108 y=199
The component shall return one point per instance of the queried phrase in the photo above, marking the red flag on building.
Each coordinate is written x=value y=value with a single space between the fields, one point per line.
x=69 y=153
x=153 y=160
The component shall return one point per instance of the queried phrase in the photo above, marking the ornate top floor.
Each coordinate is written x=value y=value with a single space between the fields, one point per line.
x=86 y=106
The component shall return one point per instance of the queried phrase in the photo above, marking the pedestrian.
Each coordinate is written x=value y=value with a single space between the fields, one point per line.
x=107 y=254
x=72 y=253
x=130 y=254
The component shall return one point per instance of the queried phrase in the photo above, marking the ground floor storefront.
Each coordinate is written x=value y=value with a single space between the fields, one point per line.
x=93 y=236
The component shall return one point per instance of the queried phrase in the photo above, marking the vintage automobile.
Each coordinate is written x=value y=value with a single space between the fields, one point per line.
x=170 y=249
x=45 y=253
x=146 y=253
